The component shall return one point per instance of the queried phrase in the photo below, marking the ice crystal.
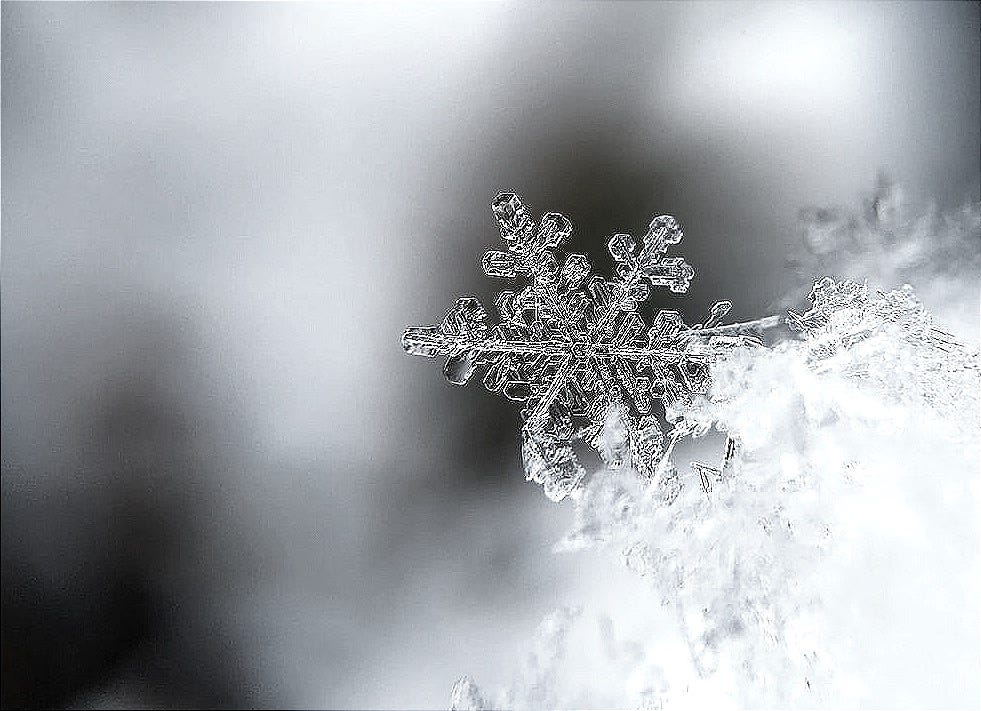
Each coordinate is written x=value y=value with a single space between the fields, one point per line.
x=875 y=406
x=574 y=348
x=843 y=528
x=466 y=696
x=842 y=525
x=891 y=239
x=848 y=323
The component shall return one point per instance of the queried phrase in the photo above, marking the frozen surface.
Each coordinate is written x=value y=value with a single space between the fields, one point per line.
x=835 y=565
x=832 y=559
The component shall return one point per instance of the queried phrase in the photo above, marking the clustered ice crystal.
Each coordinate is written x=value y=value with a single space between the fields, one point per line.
x=923 y=364
x=840 y=528
x=891 y=239
x=575 y=350
x=844 y=528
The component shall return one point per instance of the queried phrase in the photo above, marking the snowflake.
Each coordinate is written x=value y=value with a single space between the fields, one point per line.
x=575 y=350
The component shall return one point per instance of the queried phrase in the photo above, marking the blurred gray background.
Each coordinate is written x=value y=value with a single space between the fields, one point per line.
x=223 y=482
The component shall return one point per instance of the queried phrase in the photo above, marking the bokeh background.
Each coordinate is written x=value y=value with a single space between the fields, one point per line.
x=223 y=482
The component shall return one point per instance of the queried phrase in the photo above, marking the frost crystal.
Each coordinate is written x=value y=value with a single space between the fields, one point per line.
x=575 y=350
x=466 y=696
x=858 y=442
x=889 y=341
x=842 y=527
x=891 y=239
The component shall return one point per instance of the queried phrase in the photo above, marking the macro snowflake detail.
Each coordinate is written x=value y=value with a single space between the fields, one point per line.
x=574 y=349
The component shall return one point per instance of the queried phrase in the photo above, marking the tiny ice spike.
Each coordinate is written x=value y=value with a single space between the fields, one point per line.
x=574 y=348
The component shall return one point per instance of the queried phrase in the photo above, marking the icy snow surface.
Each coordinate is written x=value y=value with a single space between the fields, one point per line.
x=837 y=565
x=832 y=562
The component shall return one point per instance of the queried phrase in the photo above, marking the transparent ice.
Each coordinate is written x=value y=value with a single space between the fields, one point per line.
x=832 y=559
x=575 y=350
x=834 y=564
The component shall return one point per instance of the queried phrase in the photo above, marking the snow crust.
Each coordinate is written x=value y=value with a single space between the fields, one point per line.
x=838 y=564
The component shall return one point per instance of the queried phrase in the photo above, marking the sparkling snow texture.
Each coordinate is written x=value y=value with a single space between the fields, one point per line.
x=837 y=565
x=833 y=562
